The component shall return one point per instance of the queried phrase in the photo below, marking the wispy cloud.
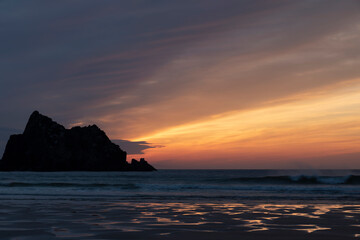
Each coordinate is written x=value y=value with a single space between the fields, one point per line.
x=315 y=127
x=134 y=147
x=137 y=68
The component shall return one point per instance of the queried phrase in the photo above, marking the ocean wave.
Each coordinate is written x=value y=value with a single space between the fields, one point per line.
x=298 y=179
x=70 y=185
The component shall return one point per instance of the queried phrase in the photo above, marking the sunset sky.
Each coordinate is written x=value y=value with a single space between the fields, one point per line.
x=197 y=84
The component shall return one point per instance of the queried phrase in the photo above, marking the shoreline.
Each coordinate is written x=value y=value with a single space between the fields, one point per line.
x=82 y=219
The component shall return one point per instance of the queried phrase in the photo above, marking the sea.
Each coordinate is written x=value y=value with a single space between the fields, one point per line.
x=180 y=204
x=184 y=185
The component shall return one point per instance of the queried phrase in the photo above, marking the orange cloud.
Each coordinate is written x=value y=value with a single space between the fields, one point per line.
x=313 y=127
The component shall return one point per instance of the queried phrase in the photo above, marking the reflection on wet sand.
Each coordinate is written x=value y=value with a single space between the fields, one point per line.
x=256 y=225
x=170 y=219
x=250 y=218
x=310 y=228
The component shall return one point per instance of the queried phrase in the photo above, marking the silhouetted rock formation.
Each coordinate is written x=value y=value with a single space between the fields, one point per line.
x=142 y=165
x=47 y=146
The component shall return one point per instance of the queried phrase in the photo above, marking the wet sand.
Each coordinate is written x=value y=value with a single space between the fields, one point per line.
x=39 y=219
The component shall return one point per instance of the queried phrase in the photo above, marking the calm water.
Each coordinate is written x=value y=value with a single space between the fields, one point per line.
x=184 y=185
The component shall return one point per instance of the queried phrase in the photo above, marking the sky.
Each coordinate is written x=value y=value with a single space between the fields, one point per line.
x=191 y=84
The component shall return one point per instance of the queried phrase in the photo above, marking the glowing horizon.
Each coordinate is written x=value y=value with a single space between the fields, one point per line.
x=318 y=126
x=236 y=84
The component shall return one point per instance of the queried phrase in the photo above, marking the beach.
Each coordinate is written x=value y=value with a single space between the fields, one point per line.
x=116 y=220
x=155 y=206
x=180 y=120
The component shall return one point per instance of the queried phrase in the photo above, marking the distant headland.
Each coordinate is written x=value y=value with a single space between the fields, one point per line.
x=48 y=146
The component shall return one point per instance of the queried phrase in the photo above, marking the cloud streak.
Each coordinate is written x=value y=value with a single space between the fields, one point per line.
x=133 y=148
x=140 y=68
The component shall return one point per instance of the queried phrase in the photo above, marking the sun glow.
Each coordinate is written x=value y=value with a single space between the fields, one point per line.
x=322 y=124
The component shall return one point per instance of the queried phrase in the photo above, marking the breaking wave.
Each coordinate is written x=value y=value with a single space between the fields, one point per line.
x=64 y=184
x=299 y=179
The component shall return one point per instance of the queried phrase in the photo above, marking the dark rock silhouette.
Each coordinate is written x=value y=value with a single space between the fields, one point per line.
x=47 y=146
x=141 y=165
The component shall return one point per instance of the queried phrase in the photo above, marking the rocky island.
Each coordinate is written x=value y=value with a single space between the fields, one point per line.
x=48 y=146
